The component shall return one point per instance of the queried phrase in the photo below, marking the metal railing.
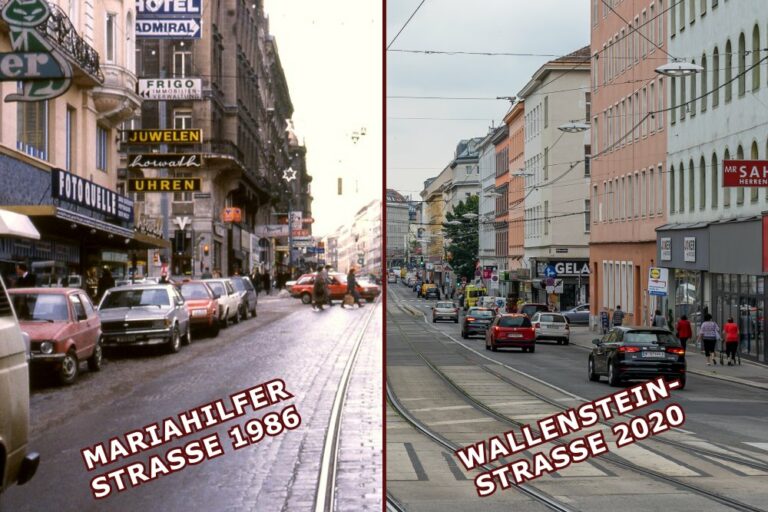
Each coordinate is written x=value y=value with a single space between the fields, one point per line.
x=60 y=30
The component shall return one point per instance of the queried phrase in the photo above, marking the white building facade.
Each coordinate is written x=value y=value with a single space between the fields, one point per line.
x=712 y=244
x=487 y=204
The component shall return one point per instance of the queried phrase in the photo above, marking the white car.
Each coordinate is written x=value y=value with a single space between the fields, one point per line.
x=391 y=278
x=551 y=326
x=229 y=300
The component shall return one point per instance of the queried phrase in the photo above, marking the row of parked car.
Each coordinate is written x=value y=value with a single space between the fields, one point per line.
x=64 y=327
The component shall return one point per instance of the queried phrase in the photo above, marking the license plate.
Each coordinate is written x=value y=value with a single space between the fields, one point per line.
x=514 y=335
x=648 y=353
x=123 y=339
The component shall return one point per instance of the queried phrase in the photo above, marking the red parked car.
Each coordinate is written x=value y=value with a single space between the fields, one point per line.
x=202 y=306
x=63 y=326
x=511 y=330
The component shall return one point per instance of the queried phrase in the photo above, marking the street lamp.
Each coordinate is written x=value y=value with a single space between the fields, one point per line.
x=679 y=68
x=573 y=127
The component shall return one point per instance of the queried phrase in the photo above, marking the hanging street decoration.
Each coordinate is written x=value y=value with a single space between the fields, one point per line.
x=289 y=174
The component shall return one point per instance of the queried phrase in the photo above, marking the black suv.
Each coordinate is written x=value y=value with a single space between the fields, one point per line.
x=629 y=353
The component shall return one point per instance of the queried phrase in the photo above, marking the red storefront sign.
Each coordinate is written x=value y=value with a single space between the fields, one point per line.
x=745 y=173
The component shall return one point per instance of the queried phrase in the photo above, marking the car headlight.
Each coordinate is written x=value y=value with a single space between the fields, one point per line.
x=46 y=347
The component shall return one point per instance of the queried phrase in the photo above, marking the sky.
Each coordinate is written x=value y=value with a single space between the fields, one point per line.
x=420 y=148
x=331 y=53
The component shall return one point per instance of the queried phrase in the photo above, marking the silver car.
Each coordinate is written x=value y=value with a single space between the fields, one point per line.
x=445 y=311
x=150 y=314
x=551 y=326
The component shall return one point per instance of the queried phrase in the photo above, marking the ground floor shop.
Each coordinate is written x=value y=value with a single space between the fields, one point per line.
x=718 y=268
x=619 y=277
x=562 y=283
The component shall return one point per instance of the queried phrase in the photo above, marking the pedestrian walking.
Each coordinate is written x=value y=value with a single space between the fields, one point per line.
x=618 y=316
x=709 y=334
x=604 y=321
x=207 y=274
x=256 y=280
x=106 y=281
x=683 y=329
x=327 y=278
x=659 y=320
x=731 y=335
x=24 y=279
x=319 y=291
x=352 y=287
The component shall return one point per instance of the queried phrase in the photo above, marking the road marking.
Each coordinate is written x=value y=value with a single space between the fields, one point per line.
x=462 y=422
x=760 y=446
x=399 y=459
x=457 y=473
x=651 y=460
x=417 y=467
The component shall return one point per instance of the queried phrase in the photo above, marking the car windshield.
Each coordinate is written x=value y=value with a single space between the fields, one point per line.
x=650 y=337
x=306 y=280
x=238 y=284
x=41 y=307
x=445 y=305
x=218 y=288
x=481 y=313
x=514 y=321
x=552 y=318
x=194 y=291
x=135 y=298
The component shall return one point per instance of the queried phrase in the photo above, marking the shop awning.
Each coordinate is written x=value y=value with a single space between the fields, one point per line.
x=52 y=220
x=16 y=224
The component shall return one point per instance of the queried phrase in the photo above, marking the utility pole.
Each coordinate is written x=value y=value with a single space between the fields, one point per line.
x=163 y=121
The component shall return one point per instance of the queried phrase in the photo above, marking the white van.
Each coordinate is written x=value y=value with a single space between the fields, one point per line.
x=16 y=465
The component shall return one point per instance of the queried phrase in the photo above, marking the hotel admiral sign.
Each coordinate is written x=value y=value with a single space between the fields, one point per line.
x=163 y=136
x=73 y=189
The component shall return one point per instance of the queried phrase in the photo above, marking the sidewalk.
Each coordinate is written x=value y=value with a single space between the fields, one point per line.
x=749 y=373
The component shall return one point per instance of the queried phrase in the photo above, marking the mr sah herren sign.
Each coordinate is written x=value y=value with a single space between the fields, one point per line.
x=162 y=136
x=165 y=184
x=745 y=173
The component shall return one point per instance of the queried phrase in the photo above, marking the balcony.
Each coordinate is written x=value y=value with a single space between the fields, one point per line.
x=116 y=99
x=85 y=59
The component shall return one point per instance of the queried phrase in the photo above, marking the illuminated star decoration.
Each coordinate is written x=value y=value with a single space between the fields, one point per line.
x=289 y=175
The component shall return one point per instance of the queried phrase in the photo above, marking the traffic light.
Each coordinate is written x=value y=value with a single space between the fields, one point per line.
x=421 y=263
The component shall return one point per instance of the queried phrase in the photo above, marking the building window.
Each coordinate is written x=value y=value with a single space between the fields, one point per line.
x=702 y=183
x=740 y=190
x=715 y=76
x=681 y=189
x=587 y=160
x=673 y=99
x=693 y=94
x=660 y=96
x=660 y=188
x=754 y=190
x=587 y=215
x=109 y=35
x=102 y=148
x=704 y=79
x=742 y=65
x=714 y=188
x=546 y=111
x=672 y=189
x=546 y=217
x=32 y=128
x=691 y=187
x=71 y=130
x=726 y=191
x=182 y=120
x=728 y=71
x=182 y=60
x=755 y=58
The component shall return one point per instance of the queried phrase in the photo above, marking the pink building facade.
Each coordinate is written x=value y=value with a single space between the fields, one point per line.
x=628 y=154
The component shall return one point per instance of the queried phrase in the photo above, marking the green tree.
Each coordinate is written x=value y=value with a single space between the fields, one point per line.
x=464 y=243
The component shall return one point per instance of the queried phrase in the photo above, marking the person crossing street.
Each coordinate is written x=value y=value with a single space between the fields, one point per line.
x=352 y=287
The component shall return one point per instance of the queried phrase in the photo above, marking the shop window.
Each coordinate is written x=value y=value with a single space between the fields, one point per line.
x=32 y=128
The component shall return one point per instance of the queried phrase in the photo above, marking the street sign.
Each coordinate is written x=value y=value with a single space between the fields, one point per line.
x=272 y=231
x=550 y=271
x=154 y=9
x=315 y=250
x=162 y=160
x=657 y=281
x=162 y=136
x=166 y=89
x=300 y=232
x=189 y=28
x=281 y=248
x=164 y=184
x=303 y=243
x=745 y=173
x=231 y=215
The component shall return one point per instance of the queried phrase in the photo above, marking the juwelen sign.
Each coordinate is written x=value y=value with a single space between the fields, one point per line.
x=745 y=173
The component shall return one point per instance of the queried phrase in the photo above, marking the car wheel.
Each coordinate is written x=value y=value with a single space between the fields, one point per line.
x=253 y=313
x=613 y=376
x=188 y=337
x=486 y=345
x=174 y=343
x=456 y=321
x=494 y=348
x=94 y=362
x=559 y=342
x=434 y=320
x=532 y=349
x=682 y=382
x=68 y=368
x=306 y=298
x=594 y=377
x=236 y=319
x=464 y=334
x=215 y=328
x=566 y=342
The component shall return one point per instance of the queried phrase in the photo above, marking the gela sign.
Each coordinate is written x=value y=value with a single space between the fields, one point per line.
x=571 y=268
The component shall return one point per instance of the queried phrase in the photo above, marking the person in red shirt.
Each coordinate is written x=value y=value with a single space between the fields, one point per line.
x=683 y=329
x=731 y=335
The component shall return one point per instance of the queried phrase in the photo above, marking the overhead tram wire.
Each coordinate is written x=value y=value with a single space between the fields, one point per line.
x=405 y=24
x=637 y=29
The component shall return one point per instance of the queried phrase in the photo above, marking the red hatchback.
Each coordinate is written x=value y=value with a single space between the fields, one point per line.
x=511 y=330
x=63 y=326
x=202 y=306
